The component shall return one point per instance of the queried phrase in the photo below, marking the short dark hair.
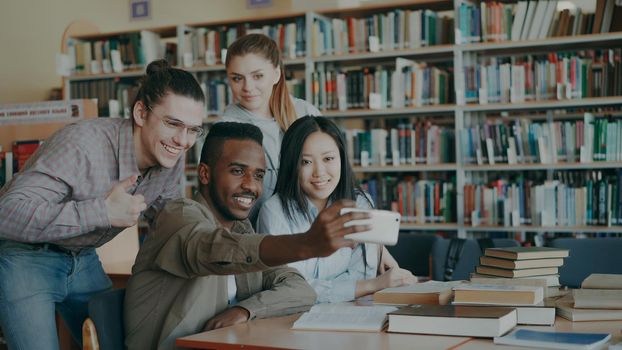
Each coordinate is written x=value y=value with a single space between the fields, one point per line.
x=290 y=192
x=161 y=78
x=221 y=132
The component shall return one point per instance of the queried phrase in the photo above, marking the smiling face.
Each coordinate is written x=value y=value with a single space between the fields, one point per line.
x=251 y=78
x=320 y=168
x=156 y=139
x=232 y=187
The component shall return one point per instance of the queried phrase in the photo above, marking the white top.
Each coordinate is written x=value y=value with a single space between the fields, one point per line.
x=334 y=277
x=272 y=138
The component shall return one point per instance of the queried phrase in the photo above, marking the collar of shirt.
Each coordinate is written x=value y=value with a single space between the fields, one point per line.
x=128 y=165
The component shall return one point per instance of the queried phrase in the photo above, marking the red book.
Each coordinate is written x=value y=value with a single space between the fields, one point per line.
x=22 y=150
x=351 y=43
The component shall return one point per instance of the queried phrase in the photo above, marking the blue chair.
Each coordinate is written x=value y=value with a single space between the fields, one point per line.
x=468 y=258
x=106 y=317
x=413 y=251
x=587 y=256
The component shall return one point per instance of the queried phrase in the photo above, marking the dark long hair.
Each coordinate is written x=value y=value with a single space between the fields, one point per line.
x=281 y=105
x=287 y=184
x=161 y=78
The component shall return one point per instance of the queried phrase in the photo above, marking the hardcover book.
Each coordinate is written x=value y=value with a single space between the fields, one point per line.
x=470 y=321
x=554 y=340
x=490 y=294
x=520 y=264
x=524 y=253
x=516 y=273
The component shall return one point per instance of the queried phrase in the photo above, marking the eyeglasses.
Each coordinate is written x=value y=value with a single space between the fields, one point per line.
x=179 y=126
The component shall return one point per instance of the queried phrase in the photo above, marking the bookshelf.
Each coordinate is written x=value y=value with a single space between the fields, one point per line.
x=328 y=52
x=23 y=126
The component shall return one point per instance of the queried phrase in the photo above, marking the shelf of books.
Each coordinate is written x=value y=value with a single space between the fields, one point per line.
x=539 y=87
x=465 y=116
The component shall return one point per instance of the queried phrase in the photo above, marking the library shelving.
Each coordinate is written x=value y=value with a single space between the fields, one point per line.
x=420 y=70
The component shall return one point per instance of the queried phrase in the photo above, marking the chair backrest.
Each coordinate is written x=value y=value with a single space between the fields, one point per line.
x=106 y=311
x=468 y=257
x=587 y=256
x=413 y=250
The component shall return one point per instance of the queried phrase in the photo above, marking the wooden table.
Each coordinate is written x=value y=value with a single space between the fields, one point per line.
x=275 y=333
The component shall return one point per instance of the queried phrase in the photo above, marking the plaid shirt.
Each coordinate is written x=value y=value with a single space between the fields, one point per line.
x=58 y=197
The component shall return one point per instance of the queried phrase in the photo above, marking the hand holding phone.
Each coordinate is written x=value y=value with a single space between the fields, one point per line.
x=385 y=226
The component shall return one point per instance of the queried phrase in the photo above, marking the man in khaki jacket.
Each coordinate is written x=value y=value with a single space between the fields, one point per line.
x=202 y=267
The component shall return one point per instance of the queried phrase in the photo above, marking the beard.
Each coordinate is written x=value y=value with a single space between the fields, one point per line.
x=219 y=203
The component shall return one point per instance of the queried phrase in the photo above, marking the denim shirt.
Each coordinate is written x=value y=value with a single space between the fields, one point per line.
x=334 y=277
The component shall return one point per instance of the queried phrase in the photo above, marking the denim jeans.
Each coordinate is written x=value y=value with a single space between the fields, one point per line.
x=35 y=282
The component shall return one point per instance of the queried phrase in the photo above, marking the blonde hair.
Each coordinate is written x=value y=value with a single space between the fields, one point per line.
x=281 y=105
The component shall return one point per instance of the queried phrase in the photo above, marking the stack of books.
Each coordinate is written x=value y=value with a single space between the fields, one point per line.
x=599 y=299
x=527 y=299
x=522 y=263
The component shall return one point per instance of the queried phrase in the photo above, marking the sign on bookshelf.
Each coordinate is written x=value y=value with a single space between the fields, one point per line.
x=41 y=112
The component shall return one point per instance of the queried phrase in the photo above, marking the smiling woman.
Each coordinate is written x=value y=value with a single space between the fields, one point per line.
x=315 y=172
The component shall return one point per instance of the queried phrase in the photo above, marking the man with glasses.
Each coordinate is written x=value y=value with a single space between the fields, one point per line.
x=84 y=185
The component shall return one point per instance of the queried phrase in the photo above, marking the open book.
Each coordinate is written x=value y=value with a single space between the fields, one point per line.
x=344 y=317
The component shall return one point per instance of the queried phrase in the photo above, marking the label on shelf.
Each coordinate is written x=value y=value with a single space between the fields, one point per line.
x=44 y=112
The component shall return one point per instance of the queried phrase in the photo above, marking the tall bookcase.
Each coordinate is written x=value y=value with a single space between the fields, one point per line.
x=327 y=53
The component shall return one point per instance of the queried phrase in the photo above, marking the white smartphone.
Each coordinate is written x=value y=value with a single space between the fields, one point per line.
x=385 y=226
